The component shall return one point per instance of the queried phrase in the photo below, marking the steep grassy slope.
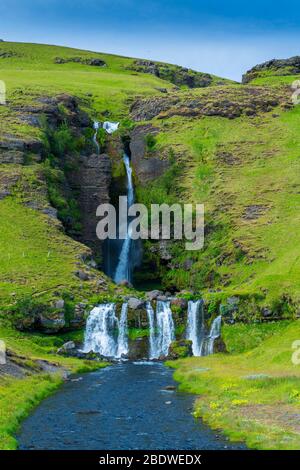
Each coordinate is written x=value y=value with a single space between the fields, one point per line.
x=243 y=166
x=36 y=256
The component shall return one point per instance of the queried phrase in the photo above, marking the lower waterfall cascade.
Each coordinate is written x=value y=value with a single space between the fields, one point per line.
x=215 y=332
x=107 y=335
x=195 y=326
x=161 y=329
x=124 y=268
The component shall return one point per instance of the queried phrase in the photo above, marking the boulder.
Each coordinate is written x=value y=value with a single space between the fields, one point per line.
x=59 y=304
x=135 y=303
x=70 y=345
x=138 y=348
x=153 y=295
x=82 y=275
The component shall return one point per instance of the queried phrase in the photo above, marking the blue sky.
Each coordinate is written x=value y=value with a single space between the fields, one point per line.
x=221 y=37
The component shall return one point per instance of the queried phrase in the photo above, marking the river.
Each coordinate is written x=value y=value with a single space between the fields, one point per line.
x=124 y=406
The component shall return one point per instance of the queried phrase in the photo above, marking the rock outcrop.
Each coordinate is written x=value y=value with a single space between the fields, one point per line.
x=228 y=102
x=81 y=60
x=281 y=67
x=146 y=168
x=91 y=181
x=173 y=73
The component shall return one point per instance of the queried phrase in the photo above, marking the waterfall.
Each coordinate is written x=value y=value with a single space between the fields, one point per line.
x=162 y=329
x=195 y=326
x=165 y=327
x=152 y=339
x=96 y=127
x=110 y=127
x=123 y=332
x=100 y=334
x=105 y=334
x=124 y=267
x=215 y=332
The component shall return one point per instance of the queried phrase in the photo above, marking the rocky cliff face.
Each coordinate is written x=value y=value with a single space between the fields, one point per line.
x=228 y=102
x=91 y=182
x=146 y=168
x=29 y=166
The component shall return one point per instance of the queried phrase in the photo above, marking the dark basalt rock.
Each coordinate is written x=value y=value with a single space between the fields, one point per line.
x=81 y=60
x=138 y=348
x=91 y=181
x=229 y=103
x=7 y=54
x=180 y=76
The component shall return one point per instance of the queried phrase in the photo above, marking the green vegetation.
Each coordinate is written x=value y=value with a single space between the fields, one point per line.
x=253 y=395
x=18 y=396
x=245 y=172
x=243 y=166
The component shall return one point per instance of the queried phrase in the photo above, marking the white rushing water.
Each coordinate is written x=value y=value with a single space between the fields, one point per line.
x=152 y=337
x=123 y=270
x=105 y=334
x=215 y=332
x=110 y=127
x=96 y=127
x=123 y=332
x=162 y=329
x=195 y=326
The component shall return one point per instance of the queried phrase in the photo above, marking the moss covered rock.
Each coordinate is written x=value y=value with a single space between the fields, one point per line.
x=181 y=348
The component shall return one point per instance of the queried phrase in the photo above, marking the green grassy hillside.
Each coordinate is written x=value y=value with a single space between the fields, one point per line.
x=233 y=147
x=36 y=256
x=244 y=168
x=254 y=395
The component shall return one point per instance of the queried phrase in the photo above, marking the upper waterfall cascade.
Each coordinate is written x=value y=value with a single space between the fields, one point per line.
x=124 y=266
x=109 y=127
